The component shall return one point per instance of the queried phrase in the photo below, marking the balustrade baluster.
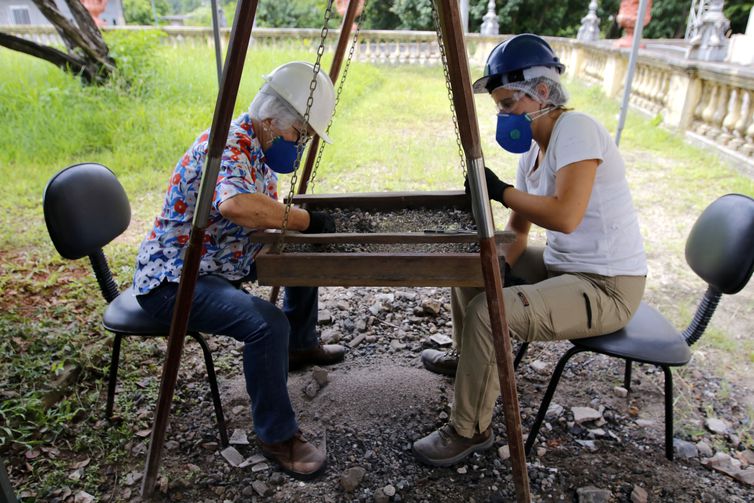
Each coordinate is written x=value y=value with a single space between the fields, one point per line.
x=744 y=118
x=733 y=109
x=709 y=109
x=718 y=113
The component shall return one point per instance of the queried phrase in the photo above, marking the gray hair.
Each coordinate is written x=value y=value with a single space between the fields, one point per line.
x=557 y=95
x=268 y=104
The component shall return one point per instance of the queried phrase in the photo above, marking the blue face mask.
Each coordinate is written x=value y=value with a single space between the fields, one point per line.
x=514 y=132
x=281 y=155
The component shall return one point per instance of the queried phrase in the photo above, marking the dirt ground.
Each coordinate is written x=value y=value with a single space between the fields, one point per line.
x=380 y=399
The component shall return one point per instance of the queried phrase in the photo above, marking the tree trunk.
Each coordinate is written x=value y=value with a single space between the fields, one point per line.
x=87 y=56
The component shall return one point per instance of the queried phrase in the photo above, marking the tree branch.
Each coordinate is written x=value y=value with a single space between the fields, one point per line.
x=72 y=34
x=58 y=58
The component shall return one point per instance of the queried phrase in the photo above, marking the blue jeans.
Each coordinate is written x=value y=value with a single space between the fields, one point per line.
x=268 y=334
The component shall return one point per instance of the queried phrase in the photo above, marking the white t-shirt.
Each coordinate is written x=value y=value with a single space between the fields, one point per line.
x=608 y=240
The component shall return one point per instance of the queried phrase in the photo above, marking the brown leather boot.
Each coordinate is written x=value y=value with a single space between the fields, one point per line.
x=324 y=354
x=445 y=447
x=296 y=457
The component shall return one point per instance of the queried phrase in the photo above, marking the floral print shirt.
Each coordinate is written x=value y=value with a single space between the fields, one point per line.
x=227 y=250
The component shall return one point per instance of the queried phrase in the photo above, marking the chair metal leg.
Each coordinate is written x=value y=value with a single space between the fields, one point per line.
x=668 y=412
x=215 y=391
x=548 y=397
x=520 y=354
x=627 y=375
x=6 y=491
x=114 y=360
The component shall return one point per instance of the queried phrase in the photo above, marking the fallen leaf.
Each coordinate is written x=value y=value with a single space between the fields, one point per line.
x=81 y=464
x=144 y=433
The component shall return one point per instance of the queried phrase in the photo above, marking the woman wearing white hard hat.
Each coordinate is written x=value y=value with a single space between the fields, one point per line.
x=261 y=143
x=589 y=278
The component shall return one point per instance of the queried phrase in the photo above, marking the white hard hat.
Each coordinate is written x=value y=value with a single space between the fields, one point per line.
x=291 y=81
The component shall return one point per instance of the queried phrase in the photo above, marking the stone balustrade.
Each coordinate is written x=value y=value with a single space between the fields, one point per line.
x=711 y=103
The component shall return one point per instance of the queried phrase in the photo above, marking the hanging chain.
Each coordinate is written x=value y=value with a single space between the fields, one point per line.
x=355 y=40
x=444 y=59
x=305 y=137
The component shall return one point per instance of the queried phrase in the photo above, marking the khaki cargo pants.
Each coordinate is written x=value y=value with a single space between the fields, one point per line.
x=554 y=306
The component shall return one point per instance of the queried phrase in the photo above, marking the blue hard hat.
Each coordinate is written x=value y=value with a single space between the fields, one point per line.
x=509 y=58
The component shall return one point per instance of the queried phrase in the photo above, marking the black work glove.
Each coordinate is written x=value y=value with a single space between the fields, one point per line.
x=320 y=223
x=495 y=186
x=509 y=279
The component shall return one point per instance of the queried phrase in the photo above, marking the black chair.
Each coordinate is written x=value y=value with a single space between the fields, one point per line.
x=85 y=208
x=720 y=250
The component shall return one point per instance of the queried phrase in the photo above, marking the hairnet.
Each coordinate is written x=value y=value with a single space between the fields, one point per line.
x=268 y=104
x=556 y=96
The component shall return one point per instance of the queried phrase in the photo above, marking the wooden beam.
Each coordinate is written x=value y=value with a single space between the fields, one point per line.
x=463 y=100
x=373 y=269
x=226 y=99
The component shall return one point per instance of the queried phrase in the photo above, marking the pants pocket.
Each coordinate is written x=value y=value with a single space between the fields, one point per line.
x=571 y=310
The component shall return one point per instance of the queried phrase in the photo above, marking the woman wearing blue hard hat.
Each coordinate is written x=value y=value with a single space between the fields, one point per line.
x=589 y=278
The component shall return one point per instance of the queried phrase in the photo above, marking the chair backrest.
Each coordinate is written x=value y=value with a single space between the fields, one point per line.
x=720 y=246
x=720 y=249
x=85 y=208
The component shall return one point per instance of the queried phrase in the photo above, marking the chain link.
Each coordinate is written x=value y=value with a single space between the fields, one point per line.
x=278 y=248
x=322 y=145
x=444 y=59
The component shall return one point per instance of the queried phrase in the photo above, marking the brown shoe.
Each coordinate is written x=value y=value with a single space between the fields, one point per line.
x=324 y=354
x=440 y=362
x=445 y=447
x=296 y=457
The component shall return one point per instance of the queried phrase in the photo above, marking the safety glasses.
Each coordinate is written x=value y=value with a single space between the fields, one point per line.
x=505 y=105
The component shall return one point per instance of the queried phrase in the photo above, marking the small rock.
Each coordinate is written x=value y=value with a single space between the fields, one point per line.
x=311 y=389
x=261 y=488
x=133 y=478
x=238 y=409
x=431 y=307
x=397 y=345
x=83 y=497
x=704 y=449
x=591 y=494
x=620 y=391
x=585 y=414
x=324 y=317
x=716 y=425
x=441 y=340
x=238 y=437
x=553 y=411
x=389 y=490
x=540 y=367
x=253 y=460
x=232 y=456
x=644 y=422
x=380 y=496
x=351 y=478
x=684 y=449
x=331 y=336
x=172 y=445
x=597 y=432
x=260 y=467
x=322 y=376
x=462 y=470
x=588 y=444
x=375 y=308
x=504 y=452
x=639 y=495
x=746 y=476
x=541 y=451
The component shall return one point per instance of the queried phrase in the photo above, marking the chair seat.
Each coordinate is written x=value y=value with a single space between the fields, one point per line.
x=124 y=315
x=648 y=338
